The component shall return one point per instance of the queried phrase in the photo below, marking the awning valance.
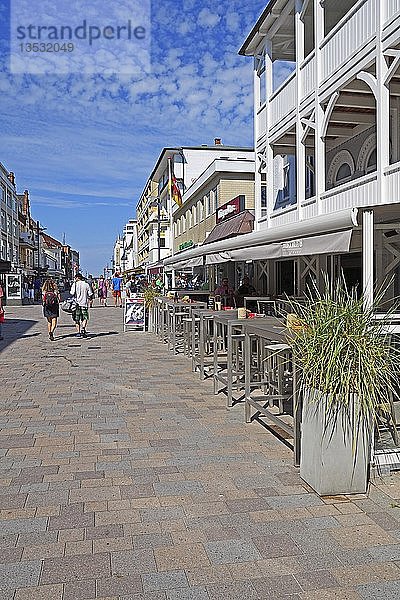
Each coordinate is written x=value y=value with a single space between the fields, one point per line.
x=302 y=238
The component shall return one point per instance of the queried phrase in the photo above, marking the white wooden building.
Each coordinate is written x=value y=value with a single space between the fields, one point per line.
x=327 y=130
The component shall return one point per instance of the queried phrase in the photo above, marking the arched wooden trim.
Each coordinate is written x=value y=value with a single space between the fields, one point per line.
x=370 y=81
x=338 y=160
x=328 y=113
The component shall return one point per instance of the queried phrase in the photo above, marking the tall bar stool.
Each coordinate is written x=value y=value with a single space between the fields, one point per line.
x=278 y=371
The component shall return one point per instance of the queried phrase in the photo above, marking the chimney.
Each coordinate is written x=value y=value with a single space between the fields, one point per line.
x=217 y=142
x=11 y=177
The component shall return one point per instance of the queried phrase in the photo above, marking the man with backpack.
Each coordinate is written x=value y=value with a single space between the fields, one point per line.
x=83 y=294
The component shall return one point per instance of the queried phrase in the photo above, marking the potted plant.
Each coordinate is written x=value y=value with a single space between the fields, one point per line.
x=150 y=294
x=346 y=367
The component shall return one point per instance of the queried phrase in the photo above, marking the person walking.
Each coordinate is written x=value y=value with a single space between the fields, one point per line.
x=116 y=283
x=102 y=291
x=31 y=291
x=131 y=287
x=83 y=294
x=51 y=305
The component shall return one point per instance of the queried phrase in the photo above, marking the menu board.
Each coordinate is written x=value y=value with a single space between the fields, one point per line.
x=134 y=314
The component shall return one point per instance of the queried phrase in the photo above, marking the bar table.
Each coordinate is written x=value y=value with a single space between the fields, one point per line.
x=175 y=312
x=266 y=331
x=202 y=340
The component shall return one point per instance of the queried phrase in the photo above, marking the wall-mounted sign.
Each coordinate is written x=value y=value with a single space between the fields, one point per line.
x=186 y=245
x=231 y=208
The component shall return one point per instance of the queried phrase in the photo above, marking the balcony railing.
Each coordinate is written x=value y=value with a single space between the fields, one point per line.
x=283 y=101
x=308 y=78
x=392 y=182
x=392 y=8
x=348 y=36
x=358 y=192
x=261 y=122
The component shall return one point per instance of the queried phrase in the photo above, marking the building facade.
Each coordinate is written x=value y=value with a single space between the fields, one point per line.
x=9 y=222
x=327 y=127
x=129 y=257
x=155 y=211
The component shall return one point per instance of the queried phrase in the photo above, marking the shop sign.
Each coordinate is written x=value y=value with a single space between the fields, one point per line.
x=291 y=247
x=231 y=208
x=186 y=245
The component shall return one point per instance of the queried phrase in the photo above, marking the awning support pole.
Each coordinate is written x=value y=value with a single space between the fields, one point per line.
x=368 y=257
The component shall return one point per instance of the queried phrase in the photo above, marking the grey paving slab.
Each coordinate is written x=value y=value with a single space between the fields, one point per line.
x=232 y=551
x=132 y=464
x=389 y=590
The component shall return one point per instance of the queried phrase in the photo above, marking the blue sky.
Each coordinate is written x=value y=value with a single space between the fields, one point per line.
x=84 y=144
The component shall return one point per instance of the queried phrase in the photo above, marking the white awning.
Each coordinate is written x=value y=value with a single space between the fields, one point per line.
x=197 y=261
x=320 y=235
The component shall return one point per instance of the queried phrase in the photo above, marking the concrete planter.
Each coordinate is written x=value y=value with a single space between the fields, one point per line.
x=329 y=463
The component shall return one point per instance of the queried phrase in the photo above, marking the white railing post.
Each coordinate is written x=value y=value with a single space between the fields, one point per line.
x=300 y=147
x=368 y=257
x=319 y=113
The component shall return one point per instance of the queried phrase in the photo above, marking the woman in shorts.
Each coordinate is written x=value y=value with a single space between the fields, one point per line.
x=51 y=305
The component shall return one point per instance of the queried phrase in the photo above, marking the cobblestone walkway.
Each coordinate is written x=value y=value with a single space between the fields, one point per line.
x=124 y=477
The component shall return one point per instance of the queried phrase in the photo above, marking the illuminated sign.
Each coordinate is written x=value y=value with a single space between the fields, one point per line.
x=231 y=208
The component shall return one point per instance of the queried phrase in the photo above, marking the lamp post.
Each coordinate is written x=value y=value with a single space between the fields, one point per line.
x=39 y=230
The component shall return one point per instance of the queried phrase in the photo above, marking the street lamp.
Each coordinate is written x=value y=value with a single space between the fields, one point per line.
x=39 y=230
x=156 y=201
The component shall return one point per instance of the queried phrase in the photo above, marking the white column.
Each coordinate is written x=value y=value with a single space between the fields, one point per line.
x=269 y=152
x=300 y=148
x=382 y=105
x=257 y=181
x=319 y=113
x=368 y=257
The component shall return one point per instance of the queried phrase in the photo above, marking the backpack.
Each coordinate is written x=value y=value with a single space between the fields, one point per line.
x=50 y=300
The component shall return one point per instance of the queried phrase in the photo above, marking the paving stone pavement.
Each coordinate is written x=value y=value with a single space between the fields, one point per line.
x=124 y=477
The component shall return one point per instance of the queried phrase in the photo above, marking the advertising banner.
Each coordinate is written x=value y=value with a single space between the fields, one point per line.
x=134 y=314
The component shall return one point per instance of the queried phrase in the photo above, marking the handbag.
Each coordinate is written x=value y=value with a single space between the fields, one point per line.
x=69 y=305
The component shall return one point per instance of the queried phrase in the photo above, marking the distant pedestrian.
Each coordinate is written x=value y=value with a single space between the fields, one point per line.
x=31 y=291
x=90 y=281
x=51 y=305
x=102 y=291
x=83 y=294
x=116 y=283
x=2 y=313
x=131 y=287
x=37 y=284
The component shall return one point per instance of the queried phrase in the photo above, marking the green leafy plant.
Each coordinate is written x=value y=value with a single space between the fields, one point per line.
x=346 y=357
x=150 y=294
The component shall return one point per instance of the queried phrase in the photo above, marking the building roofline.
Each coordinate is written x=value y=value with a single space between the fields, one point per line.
x=243 y=50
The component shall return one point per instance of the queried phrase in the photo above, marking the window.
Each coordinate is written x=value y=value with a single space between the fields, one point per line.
x=194 y=215
x=264 y=200
x=207 y=201
x=162 y=242
x=260 y=62
x=344 y=173
x=216 y=199
x=200 y=210
x=310 y=177
x=3 y=220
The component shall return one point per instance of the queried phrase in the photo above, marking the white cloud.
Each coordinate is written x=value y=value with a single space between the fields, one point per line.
x=207 y=18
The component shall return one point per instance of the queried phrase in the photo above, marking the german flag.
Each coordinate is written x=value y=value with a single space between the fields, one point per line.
x=174 y=191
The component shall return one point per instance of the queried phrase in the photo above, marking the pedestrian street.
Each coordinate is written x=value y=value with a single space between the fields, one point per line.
x=124 y=477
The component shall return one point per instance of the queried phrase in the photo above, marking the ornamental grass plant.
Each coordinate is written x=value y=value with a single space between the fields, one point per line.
x=345 y=358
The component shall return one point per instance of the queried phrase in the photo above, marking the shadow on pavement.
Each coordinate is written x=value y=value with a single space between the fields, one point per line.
x=15 y=329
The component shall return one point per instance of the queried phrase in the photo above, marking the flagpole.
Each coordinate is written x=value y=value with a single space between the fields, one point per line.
x=171 y=218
